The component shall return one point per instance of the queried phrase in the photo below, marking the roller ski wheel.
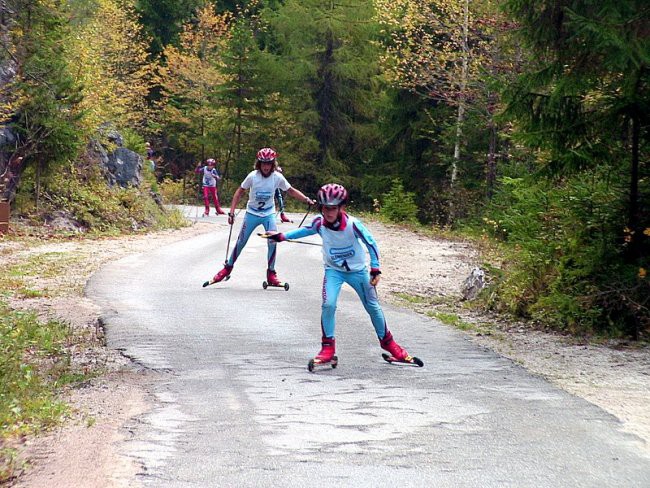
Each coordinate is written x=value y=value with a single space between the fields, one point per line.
x=266 y=284
x=317 y=363
x=407 y=360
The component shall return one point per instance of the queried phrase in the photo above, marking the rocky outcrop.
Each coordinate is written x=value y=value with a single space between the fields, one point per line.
x=122 y=166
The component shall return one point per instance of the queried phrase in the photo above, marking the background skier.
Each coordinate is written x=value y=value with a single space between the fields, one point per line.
x=210 y=178
x=261 y=184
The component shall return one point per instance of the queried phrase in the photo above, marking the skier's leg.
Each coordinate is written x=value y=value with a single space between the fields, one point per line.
x=212 y=191
x=248 y=226
x=270 y=226
x=278 y=196
x=332 y=282
x=206 y=200
x=360 y=281
x=215 y=198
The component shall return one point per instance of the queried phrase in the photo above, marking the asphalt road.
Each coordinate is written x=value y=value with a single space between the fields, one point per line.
x=236 y=407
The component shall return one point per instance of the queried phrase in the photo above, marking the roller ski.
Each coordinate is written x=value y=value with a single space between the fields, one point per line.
x=397 y=354
x=223 y=275
x=325 y=356
x=273 y=282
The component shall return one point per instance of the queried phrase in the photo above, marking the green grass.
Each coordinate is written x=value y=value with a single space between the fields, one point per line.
x=34 y=364
x=413 y=299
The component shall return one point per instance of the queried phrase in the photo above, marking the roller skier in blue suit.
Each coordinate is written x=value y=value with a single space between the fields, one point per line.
x=344 y=238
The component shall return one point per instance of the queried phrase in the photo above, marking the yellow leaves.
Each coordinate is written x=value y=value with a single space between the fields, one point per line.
x=642 y=273
x=193 y=74
x=436 y=47
x=109 y=54
x=646 y=232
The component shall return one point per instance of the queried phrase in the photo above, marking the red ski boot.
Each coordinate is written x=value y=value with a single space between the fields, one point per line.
x=224 y=274
x=326 y=354
x=220 y=211
x=284 y=218
x=397 y=353
x=272 y=280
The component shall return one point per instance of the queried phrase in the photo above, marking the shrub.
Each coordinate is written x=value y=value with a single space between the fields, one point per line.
x=399 y=205
x=565 y=259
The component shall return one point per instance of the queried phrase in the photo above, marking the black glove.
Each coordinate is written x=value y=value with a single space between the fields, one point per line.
x=279 y=237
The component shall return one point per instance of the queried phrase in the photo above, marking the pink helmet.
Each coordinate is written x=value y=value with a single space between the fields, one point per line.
x=266 y=155
x=332 y=194
x=211 y=161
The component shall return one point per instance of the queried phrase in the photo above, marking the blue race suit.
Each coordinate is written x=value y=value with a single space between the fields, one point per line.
x=344 y=259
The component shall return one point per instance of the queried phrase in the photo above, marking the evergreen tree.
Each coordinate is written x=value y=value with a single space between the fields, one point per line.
x=45 y=97
x=163 y=20
x=327 y=66
x=244 y=94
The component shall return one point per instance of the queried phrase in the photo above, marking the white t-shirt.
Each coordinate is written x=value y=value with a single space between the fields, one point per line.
x=262 y=191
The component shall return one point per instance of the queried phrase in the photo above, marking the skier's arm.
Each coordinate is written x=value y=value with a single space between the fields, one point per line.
x=233 y=205
x=199 y=169
x=366 y=237
x=298 y=195
x=299 y=232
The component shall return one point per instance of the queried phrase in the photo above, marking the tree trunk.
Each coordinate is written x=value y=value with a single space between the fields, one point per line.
x=460 y=114
x=38 y=184
x=491 y=170
x=324 y=98
x=633 y=211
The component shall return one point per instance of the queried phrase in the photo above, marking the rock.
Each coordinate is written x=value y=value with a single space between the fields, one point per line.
x=61 y=219
x=473 y=284
x=125 y=167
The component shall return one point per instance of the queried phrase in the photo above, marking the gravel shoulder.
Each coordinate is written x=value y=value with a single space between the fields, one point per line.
x=426 y=276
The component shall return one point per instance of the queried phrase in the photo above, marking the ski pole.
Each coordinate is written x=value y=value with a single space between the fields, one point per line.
x=230 y=234
x=265 y=235
x=306 y=213
x=228 y=245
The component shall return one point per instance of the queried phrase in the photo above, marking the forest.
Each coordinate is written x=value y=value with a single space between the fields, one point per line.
x=520 y=124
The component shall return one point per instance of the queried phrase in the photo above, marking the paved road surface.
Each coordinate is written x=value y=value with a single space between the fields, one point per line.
x=236 y=406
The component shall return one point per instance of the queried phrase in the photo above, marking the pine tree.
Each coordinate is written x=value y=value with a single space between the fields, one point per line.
x=327 y=65
x=163 y=21
x=586 y=99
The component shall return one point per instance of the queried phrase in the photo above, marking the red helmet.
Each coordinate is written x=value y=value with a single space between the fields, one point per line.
x=266 y=155
x=332 y=194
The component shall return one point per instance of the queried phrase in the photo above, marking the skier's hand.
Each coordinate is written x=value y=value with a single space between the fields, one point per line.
x=231 y=218
x=310 y=202
x=375 y=276
x=274 y=236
